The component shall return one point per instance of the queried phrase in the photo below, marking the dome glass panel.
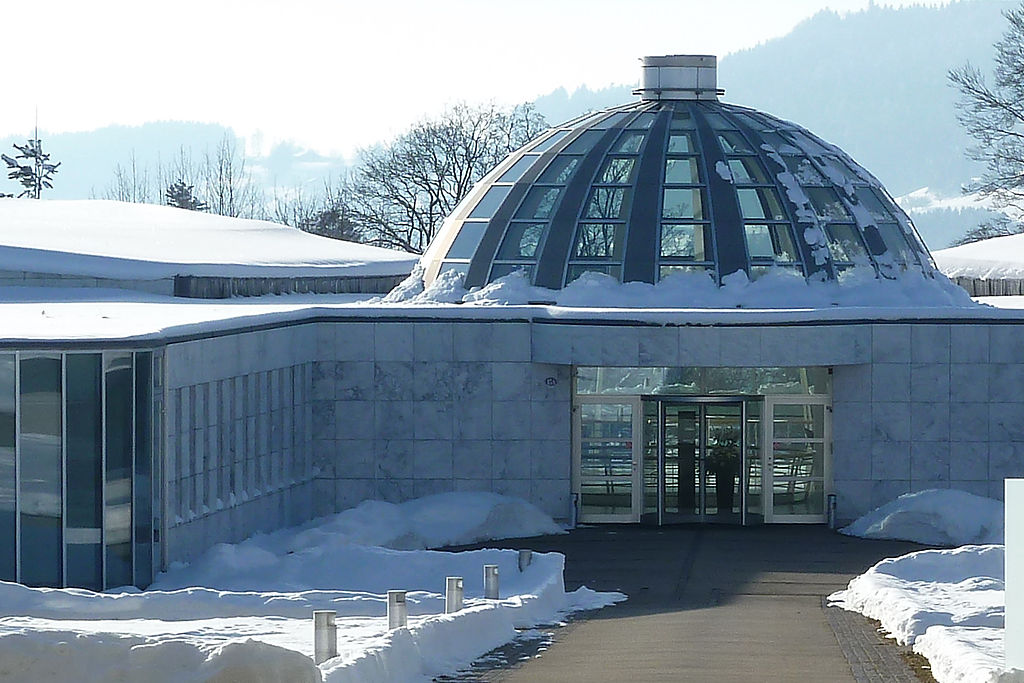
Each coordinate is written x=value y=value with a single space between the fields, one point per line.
x=647 y=190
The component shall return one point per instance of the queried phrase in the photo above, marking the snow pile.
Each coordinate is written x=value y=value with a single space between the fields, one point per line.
x=250 y=619
x=995 y=258
x=780 y=288
x=935 y=517
x=143 y=241
x=307 y=557
x=948 y=604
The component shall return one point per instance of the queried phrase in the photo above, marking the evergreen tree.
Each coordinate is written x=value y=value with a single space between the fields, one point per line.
x=37 y=171
x=182 y=195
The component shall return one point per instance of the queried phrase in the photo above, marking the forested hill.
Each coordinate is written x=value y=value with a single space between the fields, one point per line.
x=873 y=82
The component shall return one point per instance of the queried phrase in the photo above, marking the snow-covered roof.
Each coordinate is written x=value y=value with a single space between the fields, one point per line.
x=995 y=258
x=108 y=239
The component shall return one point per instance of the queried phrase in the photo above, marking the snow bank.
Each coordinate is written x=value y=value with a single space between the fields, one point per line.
x=242 y=612
x=777 y=289
x=935 y=517
x=307 y=557
x=949 y=604
x=143 y=241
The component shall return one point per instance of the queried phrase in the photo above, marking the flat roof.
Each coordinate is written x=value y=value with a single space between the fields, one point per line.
x=107 y=239
x=34 y=316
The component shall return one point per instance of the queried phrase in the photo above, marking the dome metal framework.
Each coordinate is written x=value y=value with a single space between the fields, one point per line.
x=677 y=182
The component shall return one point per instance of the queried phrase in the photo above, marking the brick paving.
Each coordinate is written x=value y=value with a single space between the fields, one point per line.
x=709 y=603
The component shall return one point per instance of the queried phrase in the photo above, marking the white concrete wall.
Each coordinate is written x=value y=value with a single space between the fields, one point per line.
x=407 y=409
x=939 y=406
x=238 y=445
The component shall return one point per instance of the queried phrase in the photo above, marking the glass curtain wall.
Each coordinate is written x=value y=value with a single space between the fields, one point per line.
x=75 y=464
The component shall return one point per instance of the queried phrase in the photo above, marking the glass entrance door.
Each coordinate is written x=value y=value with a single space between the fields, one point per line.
x=607 y=459
x=797 y=458
x=700 y=459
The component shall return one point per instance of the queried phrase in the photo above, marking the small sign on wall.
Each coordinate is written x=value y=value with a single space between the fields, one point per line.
x=1014 y=573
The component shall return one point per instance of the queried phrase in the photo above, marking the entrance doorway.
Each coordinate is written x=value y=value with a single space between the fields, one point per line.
x=698 y=460
x=705 y=459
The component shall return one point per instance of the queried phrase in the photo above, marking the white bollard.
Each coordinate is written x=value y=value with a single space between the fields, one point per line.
x=325 y=636
x=1013 y=573
x=398 y=613
x=491 y=581
x=453 y=593
x=525 y=558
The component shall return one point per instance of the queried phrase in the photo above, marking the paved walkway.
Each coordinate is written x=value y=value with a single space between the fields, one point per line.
x=714 y=604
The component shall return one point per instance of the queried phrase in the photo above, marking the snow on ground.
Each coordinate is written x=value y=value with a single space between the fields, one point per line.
x=998 y=257
x=934 y=517
x=243 y=612
x=777 y=289
x=949 y=603
x=99 y=238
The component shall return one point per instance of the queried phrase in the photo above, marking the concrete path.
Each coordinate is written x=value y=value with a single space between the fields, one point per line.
x=708 y=604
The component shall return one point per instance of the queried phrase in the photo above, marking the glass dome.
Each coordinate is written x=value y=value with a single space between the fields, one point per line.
x=677 y=182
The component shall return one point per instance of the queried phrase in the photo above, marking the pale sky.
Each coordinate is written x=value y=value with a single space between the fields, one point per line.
x=336 y=75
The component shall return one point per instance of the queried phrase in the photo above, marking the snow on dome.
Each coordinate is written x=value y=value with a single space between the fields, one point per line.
x=99 y=238
x=677 y=185
x=991 y=259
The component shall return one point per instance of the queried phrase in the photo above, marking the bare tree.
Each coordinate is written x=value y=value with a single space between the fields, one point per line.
x=994 y=118
x=401 y=192
x=227 y=186
x=132 y=183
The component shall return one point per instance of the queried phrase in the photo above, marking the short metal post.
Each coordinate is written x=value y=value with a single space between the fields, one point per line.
x=325 y=636
x=398 y=613
x=831 y=498
x=453 y=592
x=525 y=558
x=491 y=581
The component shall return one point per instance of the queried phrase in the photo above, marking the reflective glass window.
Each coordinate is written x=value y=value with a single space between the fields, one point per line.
x=630 y=142
x=584 y=143
x=896 y=242
x=8 y=490
x=682 y=203
x=559 y=171
x=83 y=535
x=618 y=170
x=680 y=143
x=681 y=120
x=599 y=240
x=685 y=241
x=666 y=270
x=612 y=120
x=516 y=170
x=490 y=202
x=521 y=240
x=844 y=243
x=549 y=142
x=143 y=489
x=467 y=240
x=503 y=269
x=682 y=171
x=539 y=202
x=41 y=485
x=803 y=170
x=448 y=266
x=827 y=204
x=867 y=198
x=771 y=242
x=577 y=269
x=608 y=202
x=733 y=143
x=118 y=433
x=747 y=170
x=645 y=120
x=760 y=202
x=717 y=121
